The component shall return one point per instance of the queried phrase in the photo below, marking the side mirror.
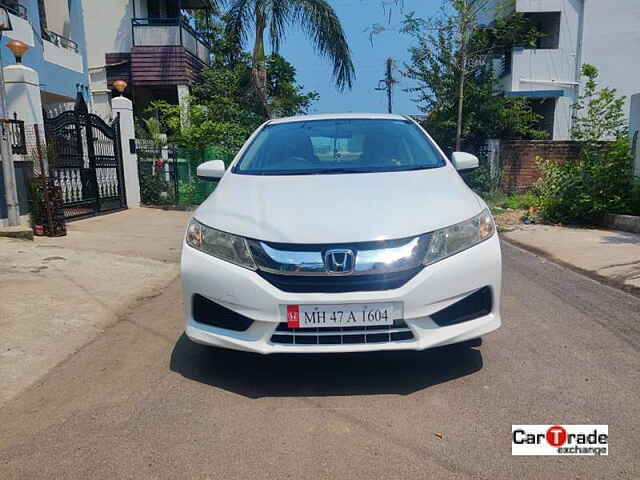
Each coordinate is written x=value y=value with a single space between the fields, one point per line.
x=211 y=170
x=464 y=161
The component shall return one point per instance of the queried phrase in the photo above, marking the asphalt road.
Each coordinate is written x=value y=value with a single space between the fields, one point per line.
x=141 y=401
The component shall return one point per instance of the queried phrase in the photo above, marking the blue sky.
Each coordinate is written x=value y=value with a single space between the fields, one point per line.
x=356 y=16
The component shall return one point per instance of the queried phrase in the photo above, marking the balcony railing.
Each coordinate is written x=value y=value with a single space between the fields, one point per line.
x=161 y=32
x=506 y=64
x=16 y=8
x=60 y=41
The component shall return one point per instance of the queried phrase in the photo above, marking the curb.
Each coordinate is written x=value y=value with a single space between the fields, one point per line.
x=625 y=223
x=21 y=232
x=631 y=289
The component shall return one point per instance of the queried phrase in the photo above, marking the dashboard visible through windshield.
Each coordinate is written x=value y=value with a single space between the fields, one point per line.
x=337 y=146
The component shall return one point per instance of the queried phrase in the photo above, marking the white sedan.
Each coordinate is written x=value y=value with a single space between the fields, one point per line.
x=340 y=233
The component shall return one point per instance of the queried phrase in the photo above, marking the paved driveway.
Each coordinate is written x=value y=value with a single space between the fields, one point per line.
x=141 y=401
x=57 y=294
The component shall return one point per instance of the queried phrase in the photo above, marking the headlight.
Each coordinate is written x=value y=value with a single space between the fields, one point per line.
x=219 y=244
x=451 y=240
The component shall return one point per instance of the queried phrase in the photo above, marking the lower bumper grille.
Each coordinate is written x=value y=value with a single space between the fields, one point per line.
x=398 y=332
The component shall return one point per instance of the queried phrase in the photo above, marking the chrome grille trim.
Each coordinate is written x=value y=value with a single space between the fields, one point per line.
x=370 y=258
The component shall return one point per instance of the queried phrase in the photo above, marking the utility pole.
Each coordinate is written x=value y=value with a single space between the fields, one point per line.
x=461 y=80
x=8 y=172
x=388 y=83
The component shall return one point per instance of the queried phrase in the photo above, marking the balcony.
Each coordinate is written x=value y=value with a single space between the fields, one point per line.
x=171 y=32
x=16 y=8
x=60 y=41
x=539 y=69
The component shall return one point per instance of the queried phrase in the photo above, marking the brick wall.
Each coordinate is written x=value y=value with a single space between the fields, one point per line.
x=518 y=160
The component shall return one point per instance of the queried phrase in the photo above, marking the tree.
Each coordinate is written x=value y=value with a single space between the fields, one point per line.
x=454 y=53
x=316 y=17
x=224 y=110
x=464 y=103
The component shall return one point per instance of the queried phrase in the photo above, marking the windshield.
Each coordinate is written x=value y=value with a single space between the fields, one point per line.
x=339 y=146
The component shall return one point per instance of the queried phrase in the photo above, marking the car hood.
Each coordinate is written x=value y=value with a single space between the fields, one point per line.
x=339 y=208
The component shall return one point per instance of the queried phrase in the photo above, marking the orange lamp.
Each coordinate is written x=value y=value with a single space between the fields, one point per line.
x=120 y=86
x=18 y=48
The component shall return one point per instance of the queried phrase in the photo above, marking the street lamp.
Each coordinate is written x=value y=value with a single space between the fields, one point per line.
x=8 y=171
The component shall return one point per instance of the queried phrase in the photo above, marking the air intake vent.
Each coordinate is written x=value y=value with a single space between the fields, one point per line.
x=210 y=313
x=474 y=306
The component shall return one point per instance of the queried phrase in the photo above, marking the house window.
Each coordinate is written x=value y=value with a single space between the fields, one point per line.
x=547 y=23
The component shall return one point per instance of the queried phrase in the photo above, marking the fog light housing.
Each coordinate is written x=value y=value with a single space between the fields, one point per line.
x=473 y=306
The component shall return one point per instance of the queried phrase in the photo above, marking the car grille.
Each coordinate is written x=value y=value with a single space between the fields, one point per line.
x=339 y=284
x=398 y=332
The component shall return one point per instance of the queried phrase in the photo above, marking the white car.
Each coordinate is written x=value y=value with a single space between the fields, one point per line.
x=340 y=233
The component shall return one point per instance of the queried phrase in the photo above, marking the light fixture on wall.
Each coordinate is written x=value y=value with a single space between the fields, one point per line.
x=120 y=86
x=18 y=48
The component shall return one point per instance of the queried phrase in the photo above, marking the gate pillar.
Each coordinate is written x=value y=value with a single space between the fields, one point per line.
x=124 y=107
x=22 y=85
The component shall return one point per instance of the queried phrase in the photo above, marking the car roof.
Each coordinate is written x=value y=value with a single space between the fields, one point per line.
x=337 y=116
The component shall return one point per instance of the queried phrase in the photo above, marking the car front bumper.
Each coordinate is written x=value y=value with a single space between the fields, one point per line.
x=436 y=287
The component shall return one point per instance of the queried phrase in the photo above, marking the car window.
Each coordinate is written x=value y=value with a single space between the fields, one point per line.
x=339 y=146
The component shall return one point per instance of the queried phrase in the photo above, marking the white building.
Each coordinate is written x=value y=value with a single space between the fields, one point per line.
x=603 y=33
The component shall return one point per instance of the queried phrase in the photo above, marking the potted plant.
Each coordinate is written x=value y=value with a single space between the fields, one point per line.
x=36 y=210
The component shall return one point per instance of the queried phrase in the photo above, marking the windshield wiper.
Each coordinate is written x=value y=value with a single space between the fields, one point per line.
x=328 y=171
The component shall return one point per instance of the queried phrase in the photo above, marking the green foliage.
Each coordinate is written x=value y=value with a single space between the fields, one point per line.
x=270 y=19
x=37 y=215
x=287 y=98
x=482 y=181
x=223 y=110
x=436 y=66
x=522 y=201
x=635 y=199
x=155 y=190
x=601 y=112
x=599 y=181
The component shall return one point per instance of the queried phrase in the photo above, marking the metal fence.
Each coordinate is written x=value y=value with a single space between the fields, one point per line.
x=167 y=173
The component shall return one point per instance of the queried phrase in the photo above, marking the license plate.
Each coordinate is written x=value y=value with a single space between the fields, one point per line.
x=349 y=315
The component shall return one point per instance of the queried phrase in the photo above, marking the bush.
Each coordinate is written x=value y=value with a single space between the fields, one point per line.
x=583 y=190
x=482 y=181
x=599 y=181
x=635 y=198
x=155 y=190
x=37 y=213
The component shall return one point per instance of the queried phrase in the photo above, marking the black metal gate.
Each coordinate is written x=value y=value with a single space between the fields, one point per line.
x=85 y=159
